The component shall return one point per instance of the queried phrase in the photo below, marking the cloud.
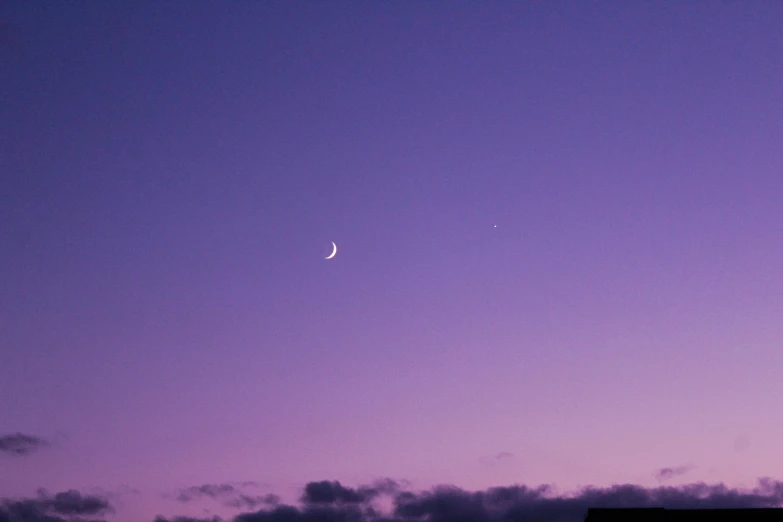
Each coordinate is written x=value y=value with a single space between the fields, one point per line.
x=228 y=494
x=187 y=519
x=207 y=490
x=741 y=443
x=669 y=473
x=500 y=458
x=243 y=501
x=325 y=492
x=331 y=502
x=74 y=503
x=116 y=494
x=20 y=444
x=68 y=506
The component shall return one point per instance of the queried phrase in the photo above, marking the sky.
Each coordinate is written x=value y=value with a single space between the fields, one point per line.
x=559 y=231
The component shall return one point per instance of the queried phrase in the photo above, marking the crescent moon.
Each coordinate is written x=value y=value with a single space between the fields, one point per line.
x=330 y=256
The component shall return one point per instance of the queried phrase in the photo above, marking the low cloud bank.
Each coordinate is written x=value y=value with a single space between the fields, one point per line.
x=68 y=506
x=331 y=501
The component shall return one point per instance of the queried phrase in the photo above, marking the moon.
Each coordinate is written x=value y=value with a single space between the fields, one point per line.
x=334 y=251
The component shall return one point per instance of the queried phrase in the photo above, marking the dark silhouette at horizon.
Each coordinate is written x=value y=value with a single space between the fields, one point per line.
x=682 y=515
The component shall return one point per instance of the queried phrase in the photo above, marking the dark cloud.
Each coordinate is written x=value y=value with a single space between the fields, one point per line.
x=669 y=473
x=20 y=444
x=331 y=502
x=332 y=492
x=504 y=455
x=68 y=506
x=325 y=492
x=243 y=501
x=228 y=494
x=386 y=486
x=344 y=513
x=74 y=503
x=187 y=519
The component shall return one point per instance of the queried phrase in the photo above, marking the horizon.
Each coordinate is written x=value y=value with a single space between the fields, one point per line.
x=386 y=500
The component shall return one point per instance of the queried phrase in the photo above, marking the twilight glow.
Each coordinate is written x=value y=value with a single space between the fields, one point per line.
x=560 y=228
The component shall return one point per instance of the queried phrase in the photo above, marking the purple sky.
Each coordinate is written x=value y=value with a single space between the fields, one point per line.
x=560 y=233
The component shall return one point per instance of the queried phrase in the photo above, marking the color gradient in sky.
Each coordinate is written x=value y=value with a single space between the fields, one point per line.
x=559 y=229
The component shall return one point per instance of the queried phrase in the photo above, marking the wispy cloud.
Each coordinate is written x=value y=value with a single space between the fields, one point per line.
x=741 y=443
x=206 y=490
x=669 y=473
x=229 y=494
x=498 y=458
x=20 y=444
